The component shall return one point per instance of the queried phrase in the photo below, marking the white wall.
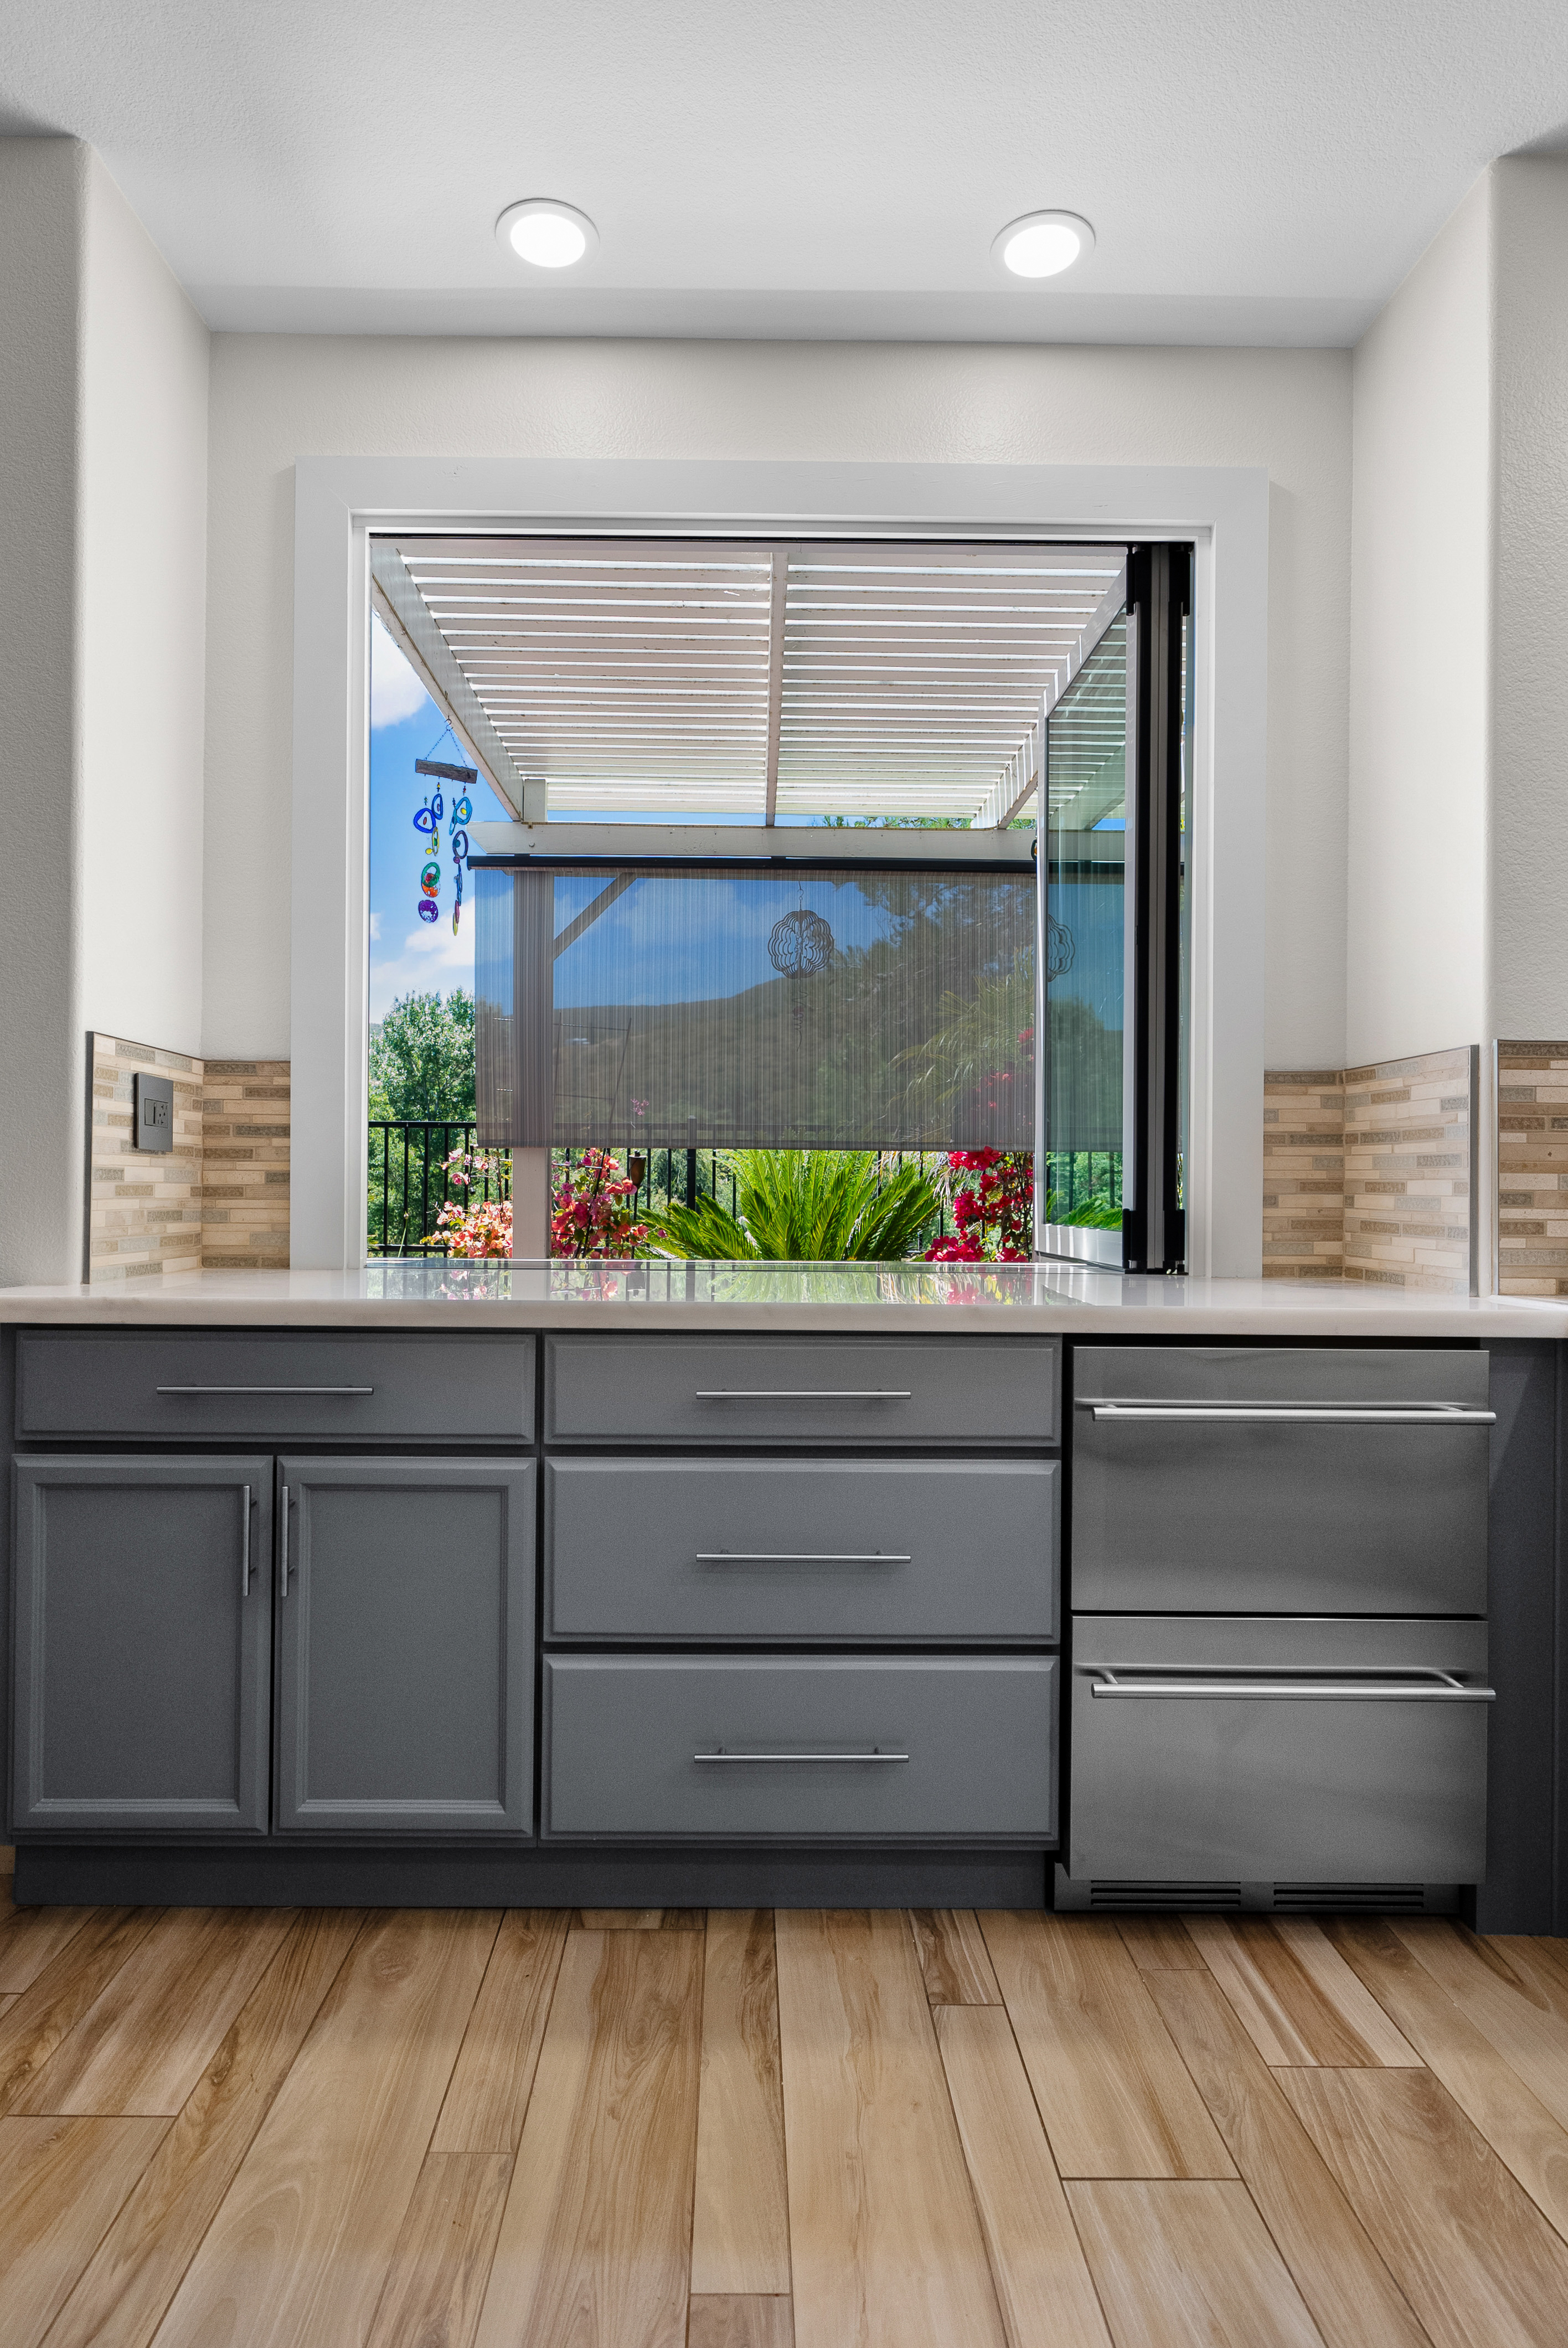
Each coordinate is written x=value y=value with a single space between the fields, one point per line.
x=1420 y=623
x=142 y=617
x=1530 y=633
x=41 y=1056
x=103 y=394
x=275 y=398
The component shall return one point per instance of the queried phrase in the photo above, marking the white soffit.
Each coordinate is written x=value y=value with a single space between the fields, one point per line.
x=784 y=679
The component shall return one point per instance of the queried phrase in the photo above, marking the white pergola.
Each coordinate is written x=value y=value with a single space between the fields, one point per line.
x=690 y=678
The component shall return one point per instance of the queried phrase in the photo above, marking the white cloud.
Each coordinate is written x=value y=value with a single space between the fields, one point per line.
x=374 y=929
x=431 y=962
x=395 y=693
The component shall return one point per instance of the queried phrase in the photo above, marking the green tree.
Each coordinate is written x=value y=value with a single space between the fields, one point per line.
x=422 y=1061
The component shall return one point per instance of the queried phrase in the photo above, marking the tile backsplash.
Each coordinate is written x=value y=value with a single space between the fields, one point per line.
x=218 y=1199
x=1533 y=1169
x=1369 y=1173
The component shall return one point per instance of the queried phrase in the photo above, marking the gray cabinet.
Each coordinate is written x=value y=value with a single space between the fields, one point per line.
x=405 y=1647
x=744 y=1748
x=143 y=1647
x=819 y=1552
x=874 y=1392
x=275 y=1385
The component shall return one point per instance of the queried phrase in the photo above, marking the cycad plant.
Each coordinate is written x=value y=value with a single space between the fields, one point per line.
x=806 y=1206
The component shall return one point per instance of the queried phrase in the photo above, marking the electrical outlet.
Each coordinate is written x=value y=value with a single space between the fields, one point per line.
x=153 y=1105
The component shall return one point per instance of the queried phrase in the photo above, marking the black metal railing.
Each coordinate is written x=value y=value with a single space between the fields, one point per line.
x=411 y=1181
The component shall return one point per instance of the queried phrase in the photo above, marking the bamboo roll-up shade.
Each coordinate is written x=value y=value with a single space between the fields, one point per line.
x=673 y=1007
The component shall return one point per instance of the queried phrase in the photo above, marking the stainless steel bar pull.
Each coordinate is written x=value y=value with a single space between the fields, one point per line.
x=802 y=1557
x=1414 y=1687
x=804 y=1393
x=1320 y=1414
x=245 y=1542
x=265 y=1390
x=284 y=1552
x=874 y=1754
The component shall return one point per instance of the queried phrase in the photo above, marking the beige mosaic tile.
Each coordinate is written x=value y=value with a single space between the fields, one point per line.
x=1533 y=1169
x=218 y=1199
x=1368 y=1172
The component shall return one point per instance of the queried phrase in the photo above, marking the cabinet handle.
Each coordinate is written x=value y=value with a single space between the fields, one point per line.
x=285 y=1541
x=265 y=1390
x=245 y=1546
x=874 y=1754
x=804 y=1393
x=802 y=1557
x=1436 y=1413
x=1428 y=1687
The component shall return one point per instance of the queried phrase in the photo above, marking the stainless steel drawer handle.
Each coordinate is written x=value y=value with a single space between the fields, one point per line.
x=285 y=1547
x=245 y=1542
x=804 y=1393
x=802 y=1557
x=1317 y=1413
x=266 y=1390
x=874 y=1754
x=1425 y=1687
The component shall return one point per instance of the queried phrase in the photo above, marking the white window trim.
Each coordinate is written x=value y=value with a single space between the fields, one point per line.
x=338 y=500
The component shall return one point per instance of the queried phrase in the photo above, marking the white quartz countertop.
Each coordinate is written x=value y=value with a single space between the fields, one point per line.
x=1068 y=1299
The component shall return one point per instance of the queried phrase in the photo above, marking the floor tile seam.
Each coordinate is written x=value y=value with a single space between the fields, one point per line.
x=462 y=2043
x=783 y=2132
x=500 y=1916
x=1463 y=2006
x=133 y=1943
x=952 y=2108
x=10 y=1924
x=245 y=2150
x=696 y=2123
x=113 y=2218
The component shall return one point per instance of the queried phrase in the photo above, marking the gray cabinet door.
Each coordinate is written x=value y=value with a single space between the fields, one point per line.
x=951 y=1552
x=276 y=1385
x=753 y=1749
x=405 y=1646
x=142 y=1659
x=842 y=1390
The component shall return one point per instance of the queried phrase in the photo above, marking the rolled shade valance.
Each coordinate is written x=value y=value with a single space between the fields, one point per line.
x=760 y=1007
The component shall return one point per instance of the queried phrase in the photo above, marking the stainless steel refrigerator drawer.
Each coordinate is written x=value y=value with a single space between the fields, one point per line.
x=1258 y=1751
x=1232 y=1479
x=842 y=1390
x=737 y=1748
x=953 y=1552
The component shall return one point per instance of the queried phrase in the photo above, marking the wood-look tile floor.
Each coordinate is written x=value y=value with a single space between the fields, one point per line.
x=433 y=2128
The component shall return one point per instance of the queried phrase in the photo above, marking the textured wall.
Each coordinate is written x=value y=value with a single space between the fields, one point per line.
x=1533 y=1169
x=1304 y=1174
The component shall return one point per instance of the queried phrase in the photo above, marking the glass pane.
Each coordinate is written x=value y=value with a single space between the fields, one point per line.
x=1086 y=771
x=754 y=1007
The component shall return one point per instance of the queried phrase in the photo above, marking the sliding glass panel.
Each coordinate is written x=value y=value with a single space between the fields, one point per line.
x=755 y=1006
x=1086 y=957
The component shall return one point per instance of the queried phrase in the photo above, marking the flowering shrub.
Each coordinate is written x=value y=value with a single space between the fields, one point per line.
x=592 y=1211
x=484 y=1226
x=994 y=1215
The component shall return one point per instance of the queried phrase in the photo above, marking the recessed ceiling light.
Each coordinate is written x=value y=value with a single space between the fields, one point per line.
x=1043 y=244
x=545 y=233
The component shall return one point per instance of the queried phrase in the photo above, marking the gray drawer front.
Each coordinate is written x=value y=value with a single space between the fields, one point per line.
x=805 y=1551
x=1200 y=1789
x=842 y=1390
x=469 y=1388
x=621 y=1732
x=1331 y=1517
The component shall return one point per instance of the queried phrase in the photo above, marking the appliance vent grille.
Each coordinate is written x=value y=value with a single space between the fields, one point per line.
x=1381 y=1898
x=1196 y=1895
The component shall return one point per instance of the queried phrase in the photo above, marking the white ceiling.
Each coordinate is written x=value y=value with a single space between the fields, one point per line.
x=1256 y=170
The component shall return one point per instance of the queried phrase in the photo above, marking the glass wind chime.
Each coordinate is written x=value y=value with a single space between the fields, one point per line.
x=427 y=824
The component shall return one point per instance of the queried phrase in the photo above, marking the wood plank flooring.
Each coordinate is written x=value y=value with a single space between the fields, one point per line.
x=657 y=2128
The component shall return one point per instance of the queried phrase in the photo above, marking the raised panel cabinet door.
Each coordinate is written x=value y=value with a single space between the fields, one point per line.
x=405 y=1647
x=143 y=1650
